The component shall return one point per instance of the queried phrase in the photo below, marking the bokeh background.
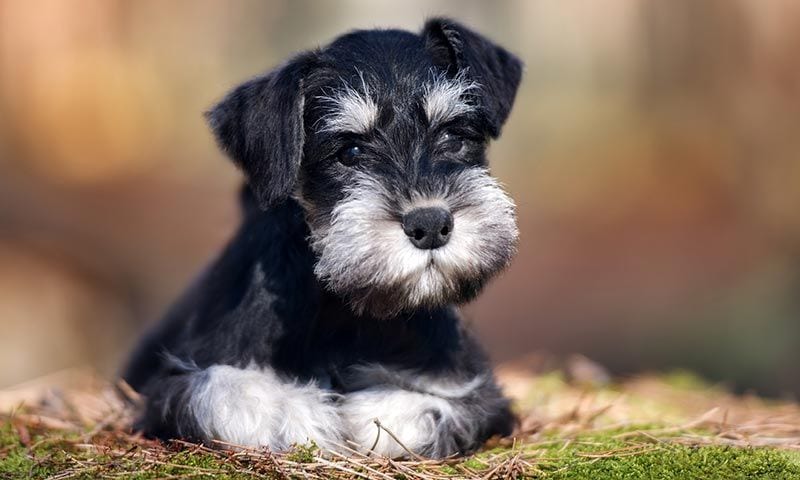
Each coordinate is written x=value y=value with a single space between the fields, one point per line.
x=654 y=152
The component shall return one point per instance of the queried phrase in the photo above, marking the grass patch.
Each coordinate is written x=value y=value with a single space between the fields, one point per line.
x=614 y=455
x=665 y=428
x=676 y=462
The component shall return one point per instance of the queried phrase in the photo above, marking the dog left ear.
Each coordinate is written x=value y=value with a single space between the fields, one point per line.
x=259 y=124
x=456 y=49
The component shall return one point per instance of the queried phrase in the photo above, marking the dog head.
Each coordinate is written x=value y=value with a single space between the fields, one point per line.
x=381 y=136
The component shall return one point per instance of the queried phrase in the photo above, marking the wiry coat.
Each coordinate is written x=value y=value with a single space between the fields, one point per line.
x=320 y=316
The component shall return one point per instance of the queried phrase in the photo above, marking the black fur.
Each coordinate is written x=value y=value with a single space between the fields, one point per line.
x=260 y=125
x=498 y=71
x=261 y=304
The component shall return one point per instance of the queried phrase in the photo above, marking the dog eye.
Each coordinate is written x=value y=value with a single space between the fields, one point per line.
x=349 y=155
x=452 y=143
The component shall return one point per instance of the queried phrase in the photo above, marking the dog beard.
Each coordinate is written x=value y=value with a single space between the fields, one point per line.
x=366 y=257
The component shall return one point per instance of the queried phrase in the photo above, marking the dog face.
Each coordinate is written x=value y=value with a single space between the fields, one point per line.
x=381 y=136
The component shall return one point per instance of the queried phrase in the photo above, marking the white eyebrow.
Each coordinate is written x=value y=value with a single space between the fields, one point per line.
x=446 y=98
x=352 y=110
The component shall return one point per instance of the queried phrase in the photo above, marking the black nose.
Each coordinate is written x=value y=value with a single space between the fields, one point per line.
x=429 y=227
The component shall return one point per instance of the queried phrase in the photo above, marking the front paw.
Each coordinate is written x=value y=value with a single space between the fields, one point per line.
x=420 y=424
x=256 y=408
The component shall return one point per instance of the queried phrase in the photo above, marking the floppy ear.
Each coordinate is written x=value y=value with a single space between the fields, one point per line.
x=259 y=124
x=457 y=49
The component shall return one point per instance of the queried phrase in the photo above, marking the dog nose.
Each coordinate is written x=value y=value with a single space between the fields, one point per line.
x=429 y=227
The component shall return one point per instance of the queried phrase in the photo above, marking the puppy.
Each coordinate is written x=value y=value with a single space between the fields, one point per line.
x=369 y=212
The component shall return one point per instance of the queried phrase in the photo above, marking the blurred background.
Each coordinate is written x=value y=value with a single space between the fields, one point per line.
x=654 y=152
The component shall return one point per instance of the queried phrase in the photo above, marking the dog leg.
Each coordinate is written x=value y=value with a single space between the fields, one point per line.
x=436 y=423
x=249 y=407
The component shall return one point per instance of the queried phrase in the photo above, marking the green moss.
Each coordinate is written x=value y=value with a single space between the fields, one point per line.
x=673 y=462
x=595 y=455
x=54 y=453
x=609 y=456
x=475 y=464
x=303 y=453
x=199 y=460
x=14 y=462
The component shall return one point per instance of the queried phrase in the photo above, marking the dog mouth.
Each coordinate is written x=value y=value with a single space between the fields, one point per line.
x=435 y=260
x=431 y=266
x=384 y=283
x=386 y=255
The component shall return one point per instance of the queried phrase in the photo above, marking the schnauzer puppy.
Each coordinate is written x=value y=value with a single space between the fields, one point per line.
x=369 y=212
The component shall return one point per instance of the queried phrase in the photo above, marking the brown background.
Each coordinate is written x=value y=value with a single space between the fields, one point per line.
x=654 y=152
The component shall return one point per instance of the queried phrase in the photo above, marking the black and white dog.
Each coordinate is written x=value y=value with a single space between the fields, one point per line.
x=369 y=213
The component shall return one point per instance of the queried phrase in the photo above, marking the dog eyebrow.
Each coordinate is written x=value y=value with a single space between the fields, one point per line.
x=446 y=98
x=353 y=111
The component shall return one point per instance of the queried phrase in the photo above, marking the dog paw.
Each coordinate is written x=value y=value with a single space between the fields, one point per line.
x=254 y=407
x=407 y=423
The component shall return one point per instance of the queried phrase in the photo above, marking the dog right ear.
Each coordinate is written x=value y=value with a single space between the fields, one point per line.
x=456 y=48
x=259 y=124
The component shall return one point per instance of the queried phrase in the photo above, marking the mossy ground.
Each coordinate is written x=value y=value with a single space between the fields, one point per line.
x=652 y=428
x=55 y=455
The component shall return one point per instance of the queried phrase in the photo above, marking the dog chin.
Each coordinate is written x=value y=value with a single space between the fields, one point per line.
x=428 y=289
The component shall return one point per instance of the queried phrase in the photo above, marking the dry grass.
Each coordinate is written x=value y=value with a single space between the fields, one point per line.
x=77 y=426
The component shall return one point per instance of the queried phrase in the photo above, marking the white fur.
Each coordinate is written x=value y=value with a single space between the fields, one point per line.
x=426 y=420
x=484 y=219
x=253 y=407
x=452 y=388
x=365 y=244
x=408 y=415
x=446 y=98
x=353 y=111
